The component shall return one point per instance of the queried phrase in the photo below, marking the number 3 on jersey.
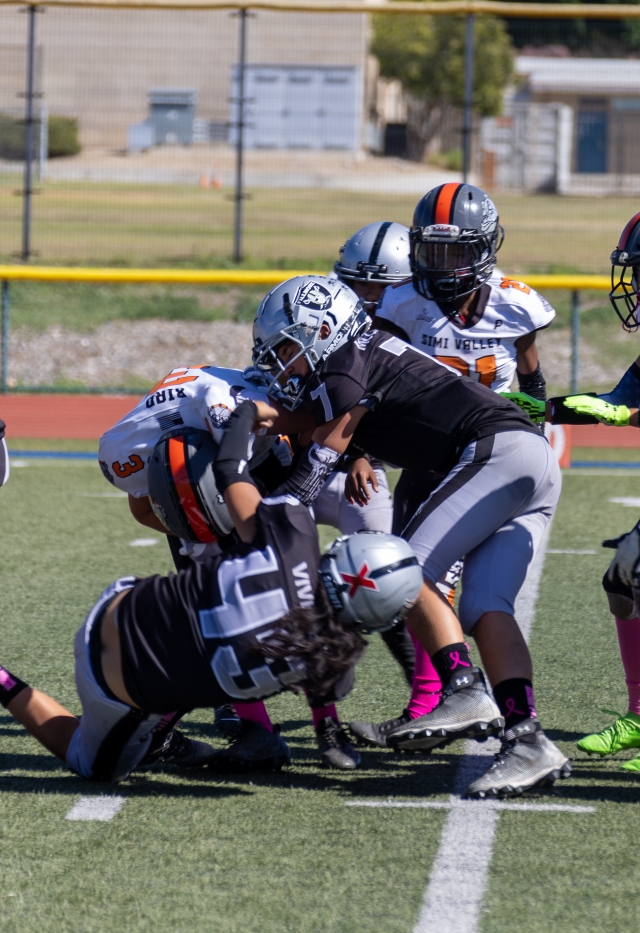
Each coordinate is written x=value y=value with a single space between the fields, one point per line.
x=485 y=367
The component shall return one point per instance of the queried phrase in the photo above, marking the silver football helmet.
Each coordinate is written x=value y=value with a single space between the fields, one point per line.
x=372 y=579
x=378 y=252
x=314 y=312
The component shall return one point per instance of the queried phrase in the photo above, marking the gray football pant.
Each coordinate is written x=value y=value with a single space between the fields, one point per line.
x=112 y=738
x=492 y=509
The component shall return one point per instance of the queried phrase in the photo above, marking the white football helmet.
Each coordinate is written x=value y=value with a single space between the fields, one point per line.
x=296 y=311
x=372 y=579
x=378 y=252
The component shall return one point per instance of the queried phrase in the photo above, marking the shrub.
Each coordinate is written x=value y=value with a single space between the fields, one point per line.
x=63 y=137
x=11 y=137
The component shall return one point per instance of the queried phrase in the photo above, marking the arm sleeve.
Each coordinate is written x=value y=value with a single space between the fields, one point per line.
x=533 y=384
x=627 y=392
x=231 y=464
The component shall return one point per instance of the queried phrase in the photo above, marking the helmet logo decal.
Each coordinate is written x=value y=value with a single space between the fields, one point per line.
x=489 y=216
x=219 y=414
x=313 y=295
x=361 y=579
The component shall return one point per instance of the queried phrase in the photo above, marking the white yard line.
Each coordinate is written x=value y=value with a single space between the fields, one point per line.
x=144 y=542
x=458 y=881
x=455 y=803
x=102 y=809
x=568 y=551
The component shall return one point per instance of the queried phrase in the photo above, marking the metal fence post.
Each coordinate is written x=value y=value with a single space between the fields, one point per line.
x=467 y=118
x=4 y=379
x=28 y=139
x=239 y=193
x=575 y=340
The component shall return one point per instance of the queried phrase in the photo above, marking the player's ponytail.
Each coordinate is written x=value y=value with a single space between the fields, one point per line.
x=316 y=638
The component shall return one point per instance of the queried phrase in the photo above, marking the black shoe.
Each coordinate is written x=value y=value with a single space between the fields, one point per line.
x=227 y=721
x=336 y=750
x=466 y=711
x=178 y=750
x=375 y=734
x=255 y=749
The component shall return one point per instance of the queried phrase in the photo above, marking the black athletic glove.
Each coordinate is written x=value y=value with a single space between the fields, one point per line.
x=307 y=480
x=231 y=464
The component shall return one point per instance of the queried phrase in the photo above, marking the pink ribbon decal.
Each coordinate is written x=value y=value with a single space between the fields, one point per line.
x=6 y=680
x=454 y=656
x=511 y=707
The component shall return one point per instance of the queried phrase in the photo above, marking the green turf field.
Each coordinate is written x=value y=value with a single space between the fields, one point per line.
x=269 y=854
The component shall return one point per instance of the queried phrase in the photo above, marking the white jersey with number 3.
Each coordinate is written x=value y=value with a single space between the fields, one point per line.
x=484 y=350
x=197 y=396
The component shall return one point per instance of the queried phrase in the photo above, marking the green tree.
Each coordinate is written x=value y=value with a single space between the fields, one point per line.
x=426 y=54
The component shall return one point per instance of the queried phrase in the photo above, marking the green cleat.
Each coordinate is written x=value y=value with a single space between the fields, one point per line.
x=621 y=734
x=632 y=765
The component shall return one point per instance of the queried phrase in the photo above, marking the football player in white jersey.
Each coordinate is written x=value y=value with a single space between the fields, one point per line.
x=457 y=308
x=205 y=397
x=4 y=456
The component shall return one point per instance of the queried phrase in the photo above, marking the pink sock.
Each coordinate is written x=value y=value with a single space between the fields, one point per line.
x=321 y=712
x=629 y=641
x=256 y=712
x=426 y=687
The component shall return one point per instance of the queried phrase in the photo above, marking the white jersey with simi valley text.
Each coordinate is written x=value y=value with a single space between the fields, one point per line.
x=196 y=396
x=484 y=349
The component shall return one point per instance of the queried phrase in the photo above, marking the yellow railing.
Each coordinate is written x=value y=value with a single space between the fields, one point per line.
x=266 y=277
x=437 y=8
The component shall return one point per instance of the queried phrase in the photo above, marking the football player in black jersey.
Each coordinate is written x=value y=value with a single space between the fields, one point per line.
x=268 y=615
x=501 y=486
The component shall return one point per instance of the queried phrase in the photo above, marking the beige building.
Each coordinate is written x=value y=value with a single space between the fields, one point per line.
x=100 y=65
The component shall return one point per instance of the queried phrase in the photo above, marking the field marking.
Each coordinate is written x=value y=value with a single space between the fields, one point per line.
x=568 y=551
x=456 y=803
x=144 y=542
x=453 y=898
x=17 y=463
x=100 y=809
x=633 y=502
x=104 y=495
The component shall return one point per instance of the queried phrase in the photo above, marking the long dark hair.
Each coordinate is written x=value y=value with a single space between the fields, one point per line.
x=318 y=639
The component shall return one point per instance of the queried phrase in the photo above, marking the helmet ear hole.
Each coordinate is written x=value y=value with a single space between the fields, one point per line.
x=182 y=487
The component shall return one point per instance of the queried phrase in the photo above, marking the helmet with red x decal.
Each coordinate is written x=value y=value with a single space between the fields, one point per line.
x=371 y=578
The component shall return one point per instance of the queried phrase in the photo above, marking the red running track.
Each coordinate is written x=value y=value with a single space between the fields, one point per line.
x=80 y=417
x=86 y=417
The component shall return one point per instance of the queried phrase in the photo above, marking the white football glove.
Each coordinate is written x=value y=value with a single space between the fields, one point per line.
x=626 y=563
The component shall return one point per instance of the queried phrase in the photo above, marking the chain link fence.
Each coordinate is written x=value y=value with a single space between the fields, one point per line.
x=162 y=138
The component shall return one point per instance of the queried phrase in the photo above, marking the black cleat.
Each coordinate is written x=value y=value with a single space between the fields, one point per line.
x=527 y=759
x=180 y=751
x=466 y=711
x=255 y=749
x=336 y=750
x=227 y=721
x=375 y=734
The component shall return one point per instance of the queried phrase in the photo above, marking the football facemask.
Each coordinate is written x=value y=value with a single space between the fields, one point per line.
x=625 y=275
x=315 y=316
x=371 y=579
